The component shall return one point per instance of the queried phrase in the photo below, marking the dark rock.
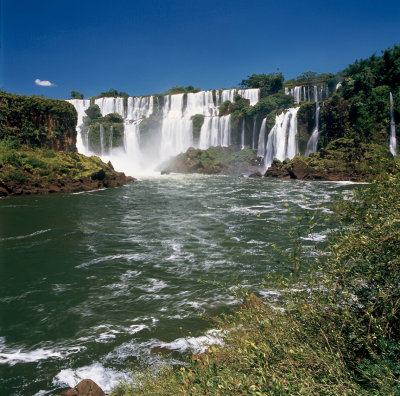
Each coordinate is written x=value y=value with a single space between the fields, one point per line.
x=3 y=192
x=100 y=175
x=256 y=174
x=277 y=173
x=300 y=170
x=110 y=165
x=86 y=387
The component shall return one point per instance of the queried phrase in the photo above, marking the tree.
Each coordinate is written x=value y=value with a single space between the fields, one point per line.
x=113 y=93
x=268 y=83
x=93 y=112
x=76 y=95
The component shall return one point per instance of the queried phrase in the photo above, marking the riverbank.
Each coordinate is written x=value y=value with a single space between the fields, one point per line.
x=336 y=329
x=27 y=171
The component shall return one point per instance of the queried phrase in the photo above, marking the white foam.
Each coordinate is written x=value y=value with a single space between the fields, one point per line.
x=25 y=236
x=106 y=378
x=18 y=356
x=194 y=344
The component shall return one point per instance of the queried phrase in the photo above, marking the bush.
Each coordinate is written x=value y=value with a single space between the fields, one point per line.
x=14 y=175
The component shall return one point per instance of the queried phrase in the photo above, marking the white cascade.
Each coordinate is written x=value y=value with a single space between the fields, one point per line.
x=282 y=139
x=215 y=131
x=175 y=134
x=176 y=130
x=393 y=139
x=111 y=138
x=261 y=139
x=253 y=141
x=252 y=94
x=80 y=106
x=101 y=139
x=228 y=94
x=242 y=135
x=312 y=143
x=139 y=107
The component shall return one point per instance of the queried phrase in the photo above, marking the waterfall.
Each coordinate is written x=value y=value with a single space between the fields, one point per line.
x=261 y=139
x=253 y=141
x=282 y=139
x=393 y=140
x=252 y=94
x=177 y=130
x=168 y=132
x=111 y=138
x=312 y=143
x=132 y=140
x=215 y=131
x=101 y=139
x=80 y=107
x=242 y=135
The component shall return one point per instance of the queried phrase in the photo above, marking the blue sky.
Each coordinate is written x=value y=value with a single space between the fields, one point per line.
x=147 y=46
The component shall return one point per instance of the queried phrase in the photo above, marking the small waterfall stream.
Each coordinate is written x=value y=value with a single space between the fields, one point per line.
x=312 y=143
x=393 y=139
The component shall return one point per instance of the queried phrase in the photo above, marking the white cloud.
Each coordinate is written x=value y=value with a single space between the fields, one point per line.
x=44 y=83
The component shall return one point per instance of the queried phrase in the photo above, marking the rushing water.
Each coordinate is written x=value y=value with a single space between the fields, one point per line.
x=94 y=284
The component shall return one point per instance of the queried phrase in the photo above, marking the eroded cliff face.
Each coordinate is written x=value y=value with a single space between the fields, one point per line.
x=38 y=122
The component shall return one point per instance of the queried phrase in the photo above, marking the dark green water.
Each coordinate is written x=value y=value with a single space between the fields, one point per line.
x=92 y=284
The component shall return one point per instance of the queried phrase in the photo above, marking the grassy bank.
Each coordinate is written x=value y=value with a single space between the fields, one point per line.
x=26 y=170
x=338 y=329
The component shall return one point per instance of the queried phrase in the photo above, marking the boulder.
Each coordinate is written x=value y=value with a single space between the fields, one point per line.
x=256 y=174
x=99 y=175
x=86 y=387
x=252 y=301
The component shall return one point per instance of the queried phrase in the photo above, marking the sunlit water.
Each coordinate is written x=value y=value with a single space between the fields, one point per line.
x=97 y=284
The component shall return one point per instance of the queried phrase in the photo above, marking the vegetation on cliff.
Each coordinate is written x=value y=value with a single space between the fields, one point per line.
x=215 y=160
x=360 y=108
x=335 y=327
x=24 y=170
x=38 y=149
x=37 y=122
x=342 y=159
x=105 y=132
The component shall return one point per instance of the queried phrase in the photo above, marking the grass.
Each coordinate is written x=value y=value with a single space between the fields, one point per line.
x=28 y=165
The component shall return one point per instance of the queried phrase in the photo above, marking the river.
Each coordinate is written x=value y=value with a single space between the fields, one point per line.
x=97 y=284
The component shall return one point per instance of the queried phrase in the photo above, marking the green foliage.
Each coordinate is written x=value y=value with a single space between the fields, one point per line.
x=268 y=83
x=213 y=160
x=112 y=93
x=360 y=108
x=179 y=89
x=225 y=108
x=76 y=95
x=37 y=167
x=95 y=136
x=37 y=122
x=305 y=124
x=198 y=120
x=110 y=122
x=93 y=112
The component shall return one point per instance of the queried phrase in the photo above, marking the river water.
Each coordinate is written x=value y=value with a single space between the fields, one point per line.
x=97 y=284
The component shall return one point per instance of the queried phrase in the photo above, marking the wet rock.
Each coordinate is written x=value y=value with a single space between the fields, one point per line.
x=100 y=175
x=256 y=174
x=86 y=387
x=3 y=192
